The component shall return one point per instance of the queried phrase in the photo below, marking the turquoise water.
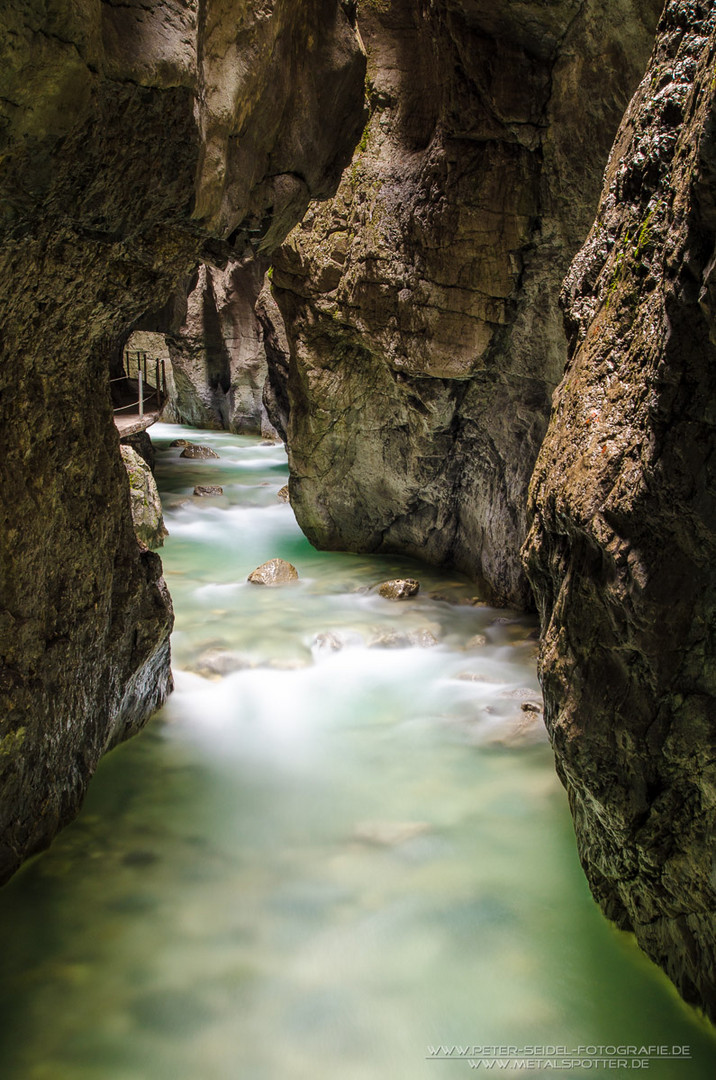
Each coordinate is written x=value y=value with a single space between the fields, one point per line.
x=330 y=861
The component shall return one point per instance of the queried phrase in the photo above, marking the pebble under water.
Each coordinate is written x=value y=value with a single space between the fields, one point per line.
x=328 y=856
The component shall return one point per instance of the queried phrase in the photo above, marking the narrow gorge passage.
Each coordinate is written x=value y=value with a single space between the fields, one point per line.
x=329 y=860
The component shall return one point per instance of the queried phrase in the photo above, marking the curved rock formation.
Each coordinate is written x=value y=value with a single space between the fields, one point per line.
x=136 y=139
x=622 y=552
x=218 y=356
x=421 y=304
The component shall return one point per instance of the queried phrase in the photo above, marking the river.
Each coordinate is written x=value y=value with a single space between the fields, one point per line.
x=340 y=849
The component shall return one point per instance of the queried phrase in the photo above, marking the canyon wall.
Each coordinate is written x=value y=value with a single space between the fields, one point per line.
x=218 y=355
x=136 y=140
x=421 y=304
x=622 y=552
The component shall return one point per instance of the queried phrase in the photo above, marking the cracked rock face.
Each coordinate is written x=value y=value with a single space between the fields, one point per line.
x=421 y=303
x=622 y=552
x=136 y=140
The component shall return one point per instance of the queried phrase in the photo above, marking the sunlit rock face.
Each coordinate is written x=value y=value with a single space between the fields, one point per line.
x=421 y=304
x=218 y=355
x=622 y=552
x=136 y=140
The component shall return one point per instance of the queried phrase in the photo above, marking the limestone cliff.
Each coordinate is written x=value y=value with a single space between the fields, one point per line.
x=421 y=304
x=622 y=552
x=218 y=355
x=137 y=138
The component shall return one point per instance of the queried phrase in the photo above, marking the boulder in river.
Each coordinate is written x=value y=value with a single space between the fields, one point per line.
x=399 y=588
x=219 y=662
x=179 y=442
x=208 y=489
x=273 y=572
x=283 y=494
x=196 y=450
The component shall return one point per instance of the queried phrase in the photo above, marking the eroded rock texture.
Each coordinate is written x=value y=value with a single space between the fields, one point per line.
x=623 y=548
x=218 y=355
x=421 y=304
x=137 y=138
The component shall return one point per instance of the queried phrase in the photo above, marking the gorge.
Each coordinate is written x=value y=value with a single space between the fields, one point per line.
x=419 y=175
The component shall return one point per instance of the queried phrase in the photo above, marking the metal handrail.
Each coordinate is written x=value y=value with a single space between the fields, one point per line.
x=158 y=391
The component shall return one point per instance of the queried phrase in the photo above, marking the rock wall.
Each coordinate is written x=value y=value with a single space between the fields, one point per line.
x=622 y=552
x=218 y=356
x=145 y=502
x=421 y=304
x=136 y=139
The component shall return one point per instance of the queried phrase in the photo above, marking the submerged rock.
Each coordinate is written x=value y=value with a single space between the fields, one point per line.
x=208 y=489
x=388 y=639
x=399 y=588
x=216 y=663
x=328 y=642
x=145 y=502
x=179 y=442
x=274 y=572
x=422 y=638
x=389 y=833
x=522 y=729
x=196 y=450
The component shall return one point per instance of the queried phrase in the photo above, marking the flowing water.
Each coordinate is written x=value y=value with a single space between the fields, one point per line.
x=339 y=847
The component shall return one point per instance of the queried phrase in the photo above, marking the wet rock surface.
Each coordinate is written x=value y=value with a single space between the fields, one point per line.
x=206 y=490
x=195 y=450
x=424 y=333
x=398 y=589
x=623 y=546
x=274 y=572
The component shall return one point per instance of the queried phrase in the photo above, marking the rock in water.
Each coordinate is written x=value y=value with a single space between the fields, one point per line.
x=477 y=641
x=179 y=442
x=146 y=504
x=208 y=489
x=195 y=450
x=283 y=494
x=399 y=588
x=273 y=572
